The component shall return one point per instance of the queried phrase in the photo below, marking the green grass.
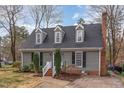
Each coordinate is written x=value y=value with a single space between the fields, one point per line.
x=10 y=78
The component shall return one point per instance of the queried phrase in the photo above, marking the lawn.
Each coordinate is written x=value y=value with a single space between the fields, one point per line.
x=10 y=78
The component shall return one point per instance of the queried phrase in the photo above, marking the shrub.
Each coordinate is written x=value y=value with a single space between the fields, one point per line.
x=36 y=62
x=41 y=67
x=26 y=68
x=123 y=67
x=57 y=61
x=17 y=64
x=122 y=73
x=31 y=66
x=0 y=65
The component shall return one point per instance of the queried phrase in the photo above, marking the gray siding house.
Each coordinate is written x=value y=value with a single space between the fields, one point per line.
x=80 y=45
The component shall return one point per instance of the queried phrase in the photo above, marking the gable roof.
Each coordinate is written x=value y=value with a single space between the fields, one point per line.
x=93 y=38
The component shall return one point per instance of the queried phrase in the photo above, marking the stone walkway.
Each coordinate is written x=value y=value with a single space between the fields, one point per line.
x=84 y=82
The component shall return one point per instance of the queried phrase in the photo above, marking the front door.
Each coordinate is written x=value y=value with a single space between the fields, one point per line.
x=78 y=58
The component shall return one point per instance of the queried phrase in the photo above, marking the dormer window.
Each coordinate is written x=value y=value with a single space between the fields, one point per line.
x=79 y=33
x=58 y=34
x=79 y=36
x=38 y=38
x=58 y=37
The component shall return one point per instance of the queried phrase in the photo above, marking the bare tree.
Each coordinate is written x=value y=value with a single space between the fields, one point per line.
x=45 y=15
x=115 y=32
x=37 y=14
x=9 y=16
x=53 y=15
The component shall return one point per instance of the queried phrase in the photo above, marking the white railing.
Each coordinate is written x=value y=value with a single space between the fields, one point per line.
x=54 y=71
x=47 y=67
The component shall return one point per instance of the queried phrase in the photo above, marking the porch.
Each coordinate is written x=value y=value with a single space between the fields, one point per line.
x=75 y=61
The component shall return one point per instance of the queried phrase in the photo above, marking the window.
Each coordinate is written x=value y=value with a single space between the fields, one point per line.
x=78 y=59
x=79 y=36
x=57 y=37
x=38 y=38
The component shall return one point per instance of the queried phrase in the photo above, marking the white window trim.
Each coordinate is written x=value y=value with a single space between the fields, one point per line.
x=59 y=37
x=79 y=26
x=58 y=28
x=81 y=58
x=40 y=38
x=77 y=36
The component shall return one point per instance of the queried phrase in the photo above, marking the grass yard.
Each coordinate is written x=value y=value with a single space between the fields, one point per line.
x=10 y=78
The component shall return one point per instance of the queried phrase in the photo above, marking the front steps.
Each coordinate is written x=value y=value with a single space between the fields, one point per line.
x=49 y=72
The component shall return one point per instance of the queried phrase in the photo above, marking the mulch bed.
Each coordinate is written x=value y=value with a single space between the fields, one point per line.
x=67 y=77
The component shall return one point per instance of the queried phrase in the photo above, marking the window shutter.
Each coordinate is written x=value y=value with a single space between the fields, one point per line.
x=32 y=56
x=84 y=59
x=73 y=57
x=41 y=58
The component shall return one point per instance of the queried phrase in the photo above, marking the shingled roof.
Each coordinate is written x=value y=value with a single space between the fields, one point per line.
x=93 y=38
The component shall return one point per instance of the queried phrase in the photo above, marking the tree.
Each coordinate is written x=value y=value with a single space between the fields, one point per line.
x=9 y=16
x=0 y=48
x=53 y=15
x=81 y=21
x=21 y=34
x=57 y=61
x=36 y=62
x=45 y=15
x=6 y=47
x=37 y=14
x=115 y=33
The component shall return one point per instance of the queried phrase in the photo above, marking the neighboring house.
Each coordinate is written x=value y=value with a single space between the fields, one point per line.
x=81 y=45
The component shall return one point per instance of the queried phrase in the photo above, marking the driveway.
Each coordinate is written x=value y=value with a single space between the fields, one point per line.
x=84 y=82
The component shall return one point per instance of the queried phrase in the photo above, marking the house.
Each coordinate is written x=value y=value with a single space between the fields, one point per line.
x=81 y=45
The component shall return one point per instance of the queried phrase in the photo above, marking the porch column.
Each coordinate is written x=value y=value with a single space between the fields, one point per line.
x=53 y=59
x=39 y=59
x=53 y=73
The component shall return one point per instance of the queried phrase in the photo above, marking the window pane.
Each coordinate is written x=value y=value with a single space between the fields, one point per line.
x=38 y=37
x=79 y=35
x=78 y=59
x=58 y=36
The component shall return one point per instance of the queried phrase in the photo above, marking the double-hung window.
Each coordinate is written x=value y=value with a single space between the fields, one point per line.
x=79 y=36
x=78 y=59
x=57 y=37
x=38 y=38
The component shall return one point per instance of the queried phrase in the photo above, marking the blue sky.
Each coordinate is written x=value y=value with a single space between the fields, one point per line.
x=71 y=13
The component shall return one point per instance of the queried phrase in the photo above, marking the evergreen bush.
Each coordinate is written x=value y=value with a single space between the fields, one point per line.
x=26 y=68
x=57 y=61
x=36 y=62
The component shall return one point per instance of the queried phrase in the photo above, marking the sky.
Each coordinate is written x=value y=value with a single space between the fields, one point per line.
x=71 y=13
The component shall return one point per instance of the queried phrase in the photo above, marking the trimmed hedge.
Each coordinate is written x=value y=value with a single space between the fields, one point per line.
x=36 y=62
x=57 y=61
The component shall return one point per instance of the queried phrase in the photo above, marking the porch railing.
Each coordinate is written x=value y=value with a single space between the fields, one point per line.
x=47 y=67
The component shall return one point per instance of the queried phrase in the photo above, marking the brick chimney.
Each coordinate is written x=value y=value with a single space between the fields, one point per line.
x=103 y=71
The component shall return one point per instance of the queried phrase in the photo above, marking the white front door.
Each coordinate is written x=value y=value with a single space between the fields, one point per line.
x=78 y=58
